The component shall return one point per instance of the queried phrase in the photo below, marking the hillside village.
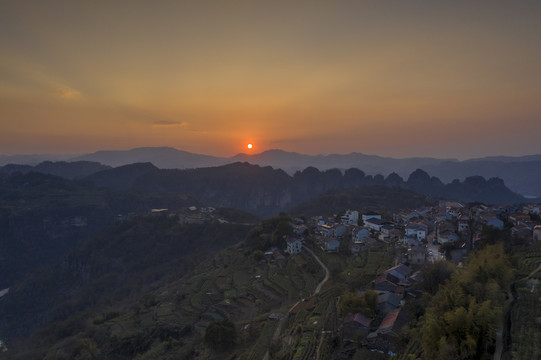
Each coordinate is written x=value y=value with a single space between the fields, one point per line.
x=419 y=236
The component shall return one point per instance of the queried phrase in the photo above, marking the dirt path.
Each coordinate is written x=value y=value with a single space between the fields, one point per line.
x=316 y=291
x=327 y=273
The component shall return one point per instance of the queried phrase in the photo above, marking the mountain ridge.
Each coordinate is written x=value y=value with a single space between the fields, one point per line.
x=266 y=191
x=519 y=173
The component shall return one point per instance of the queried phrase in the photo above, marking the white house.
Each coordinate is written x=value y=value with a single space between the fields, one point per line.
x=537 y=233
x=351 y=217
x=294 y=245
x=374 y=224
x=416 y=231
x=447 y=236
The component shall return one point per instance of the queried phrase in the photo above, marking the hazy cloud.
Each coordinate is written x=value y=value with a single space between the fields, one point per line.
x=68 y=93
x=169 y=123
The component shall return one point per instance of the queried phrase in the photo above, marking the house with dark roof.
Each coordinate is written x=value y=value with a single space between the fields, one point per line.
x=392 y=323
x=375 y=224
x=400 y=271
x=331 y=245
x=370 y=215
x=355 y=327
x=388 y=301
x=339 y=230
x=386 y=282
x=370 y=242
x=359 y=233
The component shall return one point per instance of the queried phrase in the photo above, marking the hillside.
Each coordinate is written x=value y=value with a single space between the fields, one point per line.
x=112 y=269
x=43 y=216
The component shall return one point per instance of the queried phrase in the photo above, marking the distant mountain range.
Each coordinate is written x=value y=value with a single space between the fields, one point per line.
x=520 y=174
x=266 y=191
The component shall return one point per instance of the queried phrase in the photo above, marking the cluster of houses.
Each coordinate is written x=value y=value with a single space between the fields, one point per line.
x=416 y=233
x=448 y=222
x=393 y=286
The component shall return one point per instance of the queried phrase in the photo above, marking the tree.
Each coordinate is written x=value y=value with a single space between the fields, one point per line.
x=463 y=316
x=491 y=235
x=338 y=217
x=352 y=303
x=284 y=228
x=435 y=274
x=370 y=303
x=221 y=335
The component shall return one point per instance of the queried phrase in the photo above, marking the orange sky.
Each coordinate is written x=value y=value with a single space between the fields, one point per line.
x=394 y=78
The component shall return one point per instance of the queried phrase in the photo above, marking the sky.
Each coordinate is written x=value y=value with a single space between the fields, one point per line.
x=452 y=79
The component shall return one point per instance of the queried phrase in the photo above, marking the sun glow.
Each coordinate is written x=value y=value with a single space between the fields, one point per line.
x=249 y=146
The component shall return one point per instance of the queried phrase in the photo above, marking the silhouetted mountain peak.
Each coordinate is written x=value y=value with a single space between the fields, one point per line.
x=419 y=177
x=394 y=180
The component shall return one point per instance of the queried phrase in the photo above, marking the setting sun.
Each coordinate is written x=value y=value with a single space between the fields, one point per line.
x=249 y=146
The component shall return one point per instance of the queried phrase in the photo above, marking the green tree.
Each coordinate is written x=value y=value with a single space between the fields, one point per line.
x=283 y=228
x=491 y=235
x=221 y=335
x=369 y=300
x=463 y=316
x=435 y=274
x=353 y=303
x=350 y=303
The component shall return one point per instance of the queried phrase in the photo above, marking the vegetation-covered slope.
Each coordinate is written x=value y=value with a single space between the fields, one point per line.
x=43 y=216
x=113 y=269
